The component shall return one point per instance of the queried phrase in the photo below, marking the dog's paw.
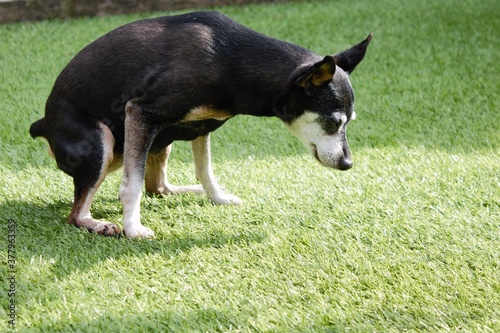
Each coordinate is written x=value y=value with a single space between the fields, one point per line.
x=107 y=229
x=226 y=199
x=194 y=189
x=138 y=231
x=95 y=226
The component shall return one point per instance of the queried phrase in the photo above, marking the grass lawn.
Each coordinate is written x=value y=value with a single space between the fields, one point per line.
x=408 y=240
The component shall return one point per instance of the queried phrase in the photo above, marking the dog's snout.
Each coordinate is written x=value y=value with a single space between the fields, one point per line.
x=345 y=164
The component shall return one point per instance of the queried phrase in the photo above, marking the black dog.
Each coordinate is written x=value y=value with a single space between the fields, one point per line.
x=127 y=96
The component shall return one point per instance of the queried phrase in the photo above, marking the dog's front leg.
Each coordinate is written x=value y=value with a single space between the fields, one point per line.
x=139 y=136
x=205 y=174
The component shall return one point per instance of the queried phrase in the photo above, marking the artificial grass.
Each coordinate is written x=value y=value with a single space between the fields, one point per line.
x=405 y=241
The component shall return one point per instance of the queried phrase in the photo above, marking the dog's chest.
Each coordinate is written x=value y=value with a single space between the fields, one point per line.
x=185 y=131
x=192 y=129
x=196 y=122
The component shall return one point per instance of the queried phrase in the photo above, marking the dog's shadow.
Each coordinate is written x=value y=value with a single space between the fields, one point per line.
x=42 y=233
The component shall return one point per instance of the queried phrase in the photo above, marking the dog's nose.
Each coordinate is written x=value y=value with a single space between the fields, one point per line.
x=345 y=164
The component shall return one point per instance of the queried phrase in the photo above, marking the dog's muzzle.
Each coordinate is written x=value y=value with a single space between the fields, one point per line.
x=340 y=161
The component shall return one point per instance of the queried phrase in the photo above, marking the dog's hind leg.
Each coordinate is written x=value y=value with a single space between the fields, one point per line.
x=89 y=160
x=205 y=174
x=156 y=176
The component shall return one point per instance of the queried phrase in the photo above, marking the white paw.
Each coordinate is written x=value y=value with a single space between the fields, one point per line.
x=195 y=189
x=226 y=199
x=138 y=231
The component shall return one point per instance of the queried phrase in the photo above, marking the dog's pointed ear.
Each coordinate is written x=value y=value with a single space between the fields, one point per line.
x=350 y=58
x=317 y=74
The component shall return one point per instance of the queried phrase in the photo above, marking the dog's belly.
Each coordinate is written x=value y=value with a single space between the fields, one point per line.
x=184 y=132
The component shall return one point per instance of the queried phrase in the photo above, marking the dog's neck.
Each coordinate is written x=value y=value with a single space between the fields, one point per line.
x=257 y=87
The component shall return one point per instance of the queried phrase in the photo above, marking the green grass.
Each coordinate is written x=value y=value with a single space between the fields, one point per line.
x=408 y=240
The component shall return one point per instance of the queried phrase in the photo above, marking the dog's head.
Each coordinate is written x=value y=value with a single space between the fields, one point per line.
x=319 y=104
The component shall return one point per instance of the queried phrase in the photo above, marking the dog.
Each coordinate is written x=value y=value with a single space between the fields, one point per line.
x=126 y=97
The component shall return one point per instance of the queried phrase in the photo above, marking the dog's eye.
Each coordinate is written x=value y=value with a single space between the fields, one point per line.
x=331 y=125
x=335 y=120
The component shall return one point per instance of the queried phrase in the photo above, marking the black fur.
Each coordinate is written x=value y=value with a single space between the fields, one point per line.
x=166 y=63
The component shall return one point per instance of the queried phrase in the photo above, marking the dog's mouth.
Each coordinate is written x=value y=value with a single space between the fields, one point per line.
x=344 y=164
x=315 y=152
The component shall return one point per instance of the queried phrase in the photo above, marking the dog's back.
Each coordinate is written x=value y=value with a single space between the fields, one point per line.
x=201 y=55
x=176 y=63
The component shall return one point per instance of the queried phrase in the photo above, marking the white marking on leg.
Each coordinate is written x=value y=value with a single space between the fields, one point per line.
x=82 y=209
x=180 y=189
x=205 y=174
x=130 y=195
x=134 y=158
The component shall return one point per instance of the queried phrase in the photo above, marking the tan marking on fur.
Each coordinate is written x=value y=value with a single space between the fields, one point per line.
x=51 y=153
x=156 y=176
x=116 y=164
x=49 y=150
x=206 y=112
x=319 y=76
x=156 y=172
x=323 y=74
x=108 y=144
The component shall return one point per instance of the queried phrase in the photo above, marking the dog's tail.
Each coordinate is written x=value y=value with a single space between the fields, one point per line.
x=36 y=128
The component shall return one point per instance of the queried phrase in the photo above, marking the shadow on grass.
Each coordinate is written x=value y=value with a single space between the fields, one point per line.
x=42 y=232
x=200 y=320
x=205 y=319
